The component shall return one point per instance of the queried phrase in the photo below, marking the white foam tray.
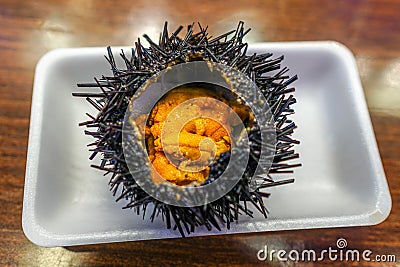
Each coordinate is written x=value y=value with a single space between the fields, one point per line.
x=341 y=183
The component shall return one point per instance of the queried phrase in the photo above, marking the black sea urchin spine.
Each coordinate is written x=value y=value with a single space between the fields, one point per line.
x=113 y=98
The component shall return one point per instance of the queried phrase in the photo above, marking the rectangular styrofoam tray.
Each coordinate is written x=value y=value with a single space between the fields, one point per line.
x=341 y=183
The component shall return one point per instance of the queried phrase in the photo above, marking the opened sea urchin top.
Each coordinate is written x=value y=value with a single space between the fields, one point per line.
x=202 y=140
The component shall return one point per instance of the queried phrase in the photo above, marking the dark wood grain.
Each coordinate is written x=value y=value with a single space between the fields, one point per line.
x=371 y=29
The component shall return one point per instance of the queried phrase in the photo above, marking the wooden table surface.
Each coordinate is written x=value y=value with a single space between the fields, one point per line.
x=371 y=29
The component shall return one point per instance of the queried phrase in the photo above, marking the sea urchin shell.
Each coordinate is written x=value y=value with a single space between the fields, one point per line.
x=113 y=99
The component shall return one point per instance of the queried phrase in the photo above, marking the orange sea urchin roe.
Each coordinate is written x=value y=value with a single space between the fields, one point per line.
x=193 y=132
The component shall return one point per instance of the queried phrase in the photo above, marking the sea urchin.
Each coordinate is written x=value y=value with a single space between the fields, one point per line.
x=122 y=158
